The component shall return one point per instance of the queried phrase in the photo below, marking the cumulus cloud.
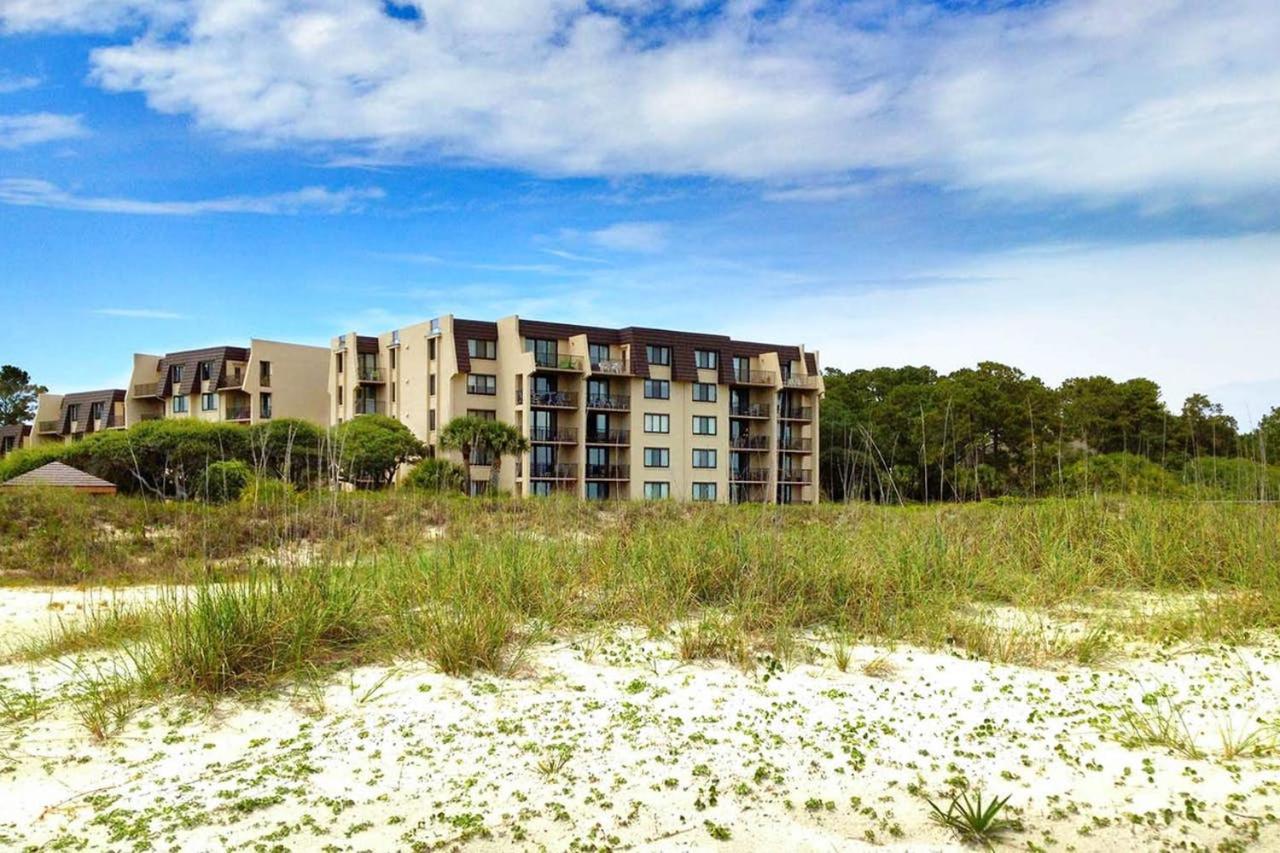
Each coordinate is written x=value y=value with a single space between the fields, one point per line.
x=1176 y=101
x=36 y=193
x=19 y=131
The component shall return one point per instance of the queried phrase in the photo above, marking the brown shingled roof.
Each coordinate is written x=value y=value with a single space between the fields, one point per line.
x=85 y=399
x=60 y=475
x=190 y=361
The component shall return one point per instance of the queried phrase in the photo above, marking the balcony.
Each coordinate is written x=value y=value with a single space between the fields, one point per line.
x=146 y=389
x=608 y=472
x=749 y=475
x=750 y=442
x=49 y=427
x=370 y=374
x=612 y=437
x=235 y=380
x=556 y=361
x=609 y=402
x=800 y=382
x=369 y=407
x=237 y=413
x=795 y=475
x=796 y=445
x=558 y=471
x=753 y=377
x=750 y=410
x=553 y=399
x=801 y=413
x=553 y=435
x=612 y=368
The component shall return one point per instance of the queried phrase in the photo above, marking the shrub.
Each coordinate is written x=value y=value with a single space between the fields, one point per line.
x=288 y=449
x=371 y=448
x=436 y=475
x=222 y=481
x=266 y=490
x=1119 y=473
x=30 y=458
x=1238 y=479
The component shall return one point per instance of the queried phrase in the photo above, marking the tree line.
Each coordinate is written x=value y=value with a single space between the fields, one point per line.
x=912 y=434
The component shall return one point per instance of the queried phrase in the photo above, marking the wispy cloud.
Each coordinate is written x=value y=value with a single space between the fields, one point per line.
x=627 y=236
x=10 y=83
x=36 y=193
x=574 y=256
x=140 y=313
x=19 y=131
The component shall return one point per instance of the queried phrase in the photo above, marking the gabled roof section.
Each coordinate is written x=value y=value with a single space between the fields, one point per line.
x=60 y=475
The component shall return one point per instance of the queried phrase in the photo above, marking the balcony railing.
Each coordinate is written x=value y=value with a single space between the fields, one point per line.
x=749 y=410
x=608 y=472
x=369 y=407
x=609 y=402
x=615 y=437
x=750 y=442
x=237 y=413
x=749 y=475
x=553 y=399
x=49 y=426
x=146 y=389
x=800 y=382
x=556 y=361
x=752 y=377
x=795 y=476
x=553 y=435
x=558 y=471
x=612 y=367
x=369 y=374
x=801 y=413
x=797 y=445
x=235 y=380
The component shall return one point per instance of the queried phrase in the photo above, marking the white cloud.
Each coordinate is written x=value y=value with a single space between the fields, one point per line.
x=10 y=84
x=19 y=131
x=628 y=236
x=1172 y=100
x=140 y=313
x=35 y=193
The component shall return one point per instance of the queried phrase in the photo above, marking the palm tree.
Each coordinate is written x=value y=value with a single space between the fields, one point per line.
x=502 y=439
x=465 y=434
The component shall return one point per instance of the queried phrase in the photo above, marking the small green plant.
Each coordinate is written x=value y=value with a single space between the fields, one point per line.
x=718 y=831
x=1162 y=724
x=556 y=759
x=973 y=821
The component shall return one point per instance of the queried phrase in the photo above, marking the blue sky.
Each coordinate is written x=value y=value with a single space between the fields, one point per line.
x=1074 y=187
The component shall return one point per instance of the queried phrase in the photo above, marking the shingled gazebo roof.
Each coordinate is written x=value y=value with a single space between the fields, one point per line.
x=60 y=475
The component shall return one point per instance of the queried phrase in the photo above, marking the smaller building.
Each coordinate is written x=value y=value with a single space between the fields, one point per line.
x=63 y=418
x=13 y=437
x=58 y=475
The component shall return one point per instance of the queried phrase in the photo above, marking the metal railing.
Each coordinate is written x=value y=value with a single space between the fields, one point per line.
x=800 y=382
x=146 y=389
x=750 y=442
x=369 y=374
x=752 y=377
x=368 y=407
x=553 y=435
x=796 y=413
x=237 y=413
x=554 y=399
x=795 y=475
x=557 y=471
x=608 y=472
x=613 y=367
x=750 y=410
x=235 y=380
x=802 y=445
x=611 y=402
x=610 y=436
x=749 y=475
x=556 y=361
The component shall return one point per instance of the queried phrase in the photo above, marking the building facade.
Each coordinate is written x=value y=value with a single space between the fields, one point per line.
x=14 y=437
x=62 y=418
x=236 y=384
x=627 y=413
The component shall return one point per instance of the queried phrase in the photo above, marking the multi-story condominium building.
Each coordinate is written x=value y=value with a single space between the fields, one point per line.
x=70 y=417
x=610 y=413
x=13 y=437
x=245 y=385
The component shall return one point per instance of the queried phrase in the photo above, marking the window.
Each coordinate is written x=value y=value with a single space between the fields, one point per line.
x=704 y=392
x=657 y=491
x=483 y=414
x=264 y=374
x=179 y=404
x=704 y=425
x=393 y=392
x=431 y=349
x=339 y=395
x=706 y=359
x=657 y=423
x=540 y=488
x=657 y=457
x=704 y=458
x=704 y=491
x=741 y=367
x=95 y=411
x=597 y=491
x=73 y=412
x=545 y=353
x=175 y=373
x=482 y=349
x=205 y=368
x=657 y=389
x=392 y=354
x=431 y=419
x=658 y=355
x=337 y=360
x=482 y=383
x=431 y=384
x=264 y=405
x=208 y=402
x=598 y=353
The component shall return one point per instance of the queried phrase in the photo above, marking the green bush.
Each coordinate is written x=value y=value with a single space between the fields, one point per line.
x=436 y=475
x=371 y=449
x=1119 y=473
x=266 y=490
x=1235 y=479
x=30 y=458
x=221 y=482
x=288 y=449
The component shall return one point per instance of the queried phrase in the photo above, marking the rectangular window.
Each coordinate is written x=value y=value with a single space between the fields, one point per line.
x=704 y=458
x=179 y=404
x=431 y=385
x=175 y=374
x=339 y=395
x=205 y=369
x=658 y=355
x=73 y=412
x=545 y=352
x=657 y=423
x=657 y=457
x=706 y=359
x=704 y=491
x=431 y=419
x=540 y=488
x=704 y=392
x=337 y=360
x=264 y=374
x=95 y=411
x=704 y=425
x=482 y=383
x=597 y=491
x=208 y=402
x=657 y=491
x=431 y=349
x=483 y=414
x=482 y=349
x=657 y=389
x=598 y=353
x=264 y=405
x=392 y=354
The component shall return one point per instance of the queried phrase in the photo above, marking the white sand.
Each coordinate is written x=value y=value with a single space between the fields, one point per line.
x=660 y=753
